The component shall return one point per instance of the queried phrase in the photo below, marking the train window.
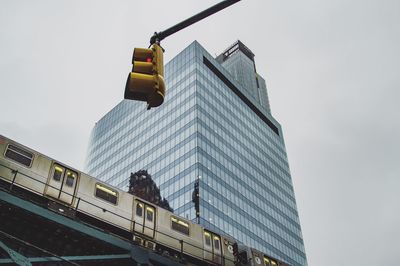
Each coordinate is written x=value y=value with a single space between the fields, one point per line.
x=19 y=155
x=216 y=242
x=58 y=173
x=106 y=193
x=180 y=225
x=139 y=209
x=149 y=214
x=70 y=179
x=207 y=238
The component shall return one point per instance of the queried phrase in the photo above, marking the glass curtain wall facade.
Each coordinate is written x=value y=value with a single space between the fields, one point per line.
x=209 y=128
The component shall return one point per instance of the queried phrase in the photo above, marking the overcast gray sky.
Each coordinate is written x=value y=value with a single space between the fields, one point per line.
x=332 y=71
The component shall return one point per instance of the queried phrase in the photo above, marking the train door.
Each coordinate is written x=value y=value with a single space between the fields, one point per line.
x=138 y=216
x=62 y=184
x=212 y=247
x=269 y=262
x=144 y=218
x=149 y=221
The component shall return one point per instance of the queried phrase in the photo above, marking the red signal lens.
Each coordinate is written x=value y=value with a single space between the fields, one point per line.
x=148 y=60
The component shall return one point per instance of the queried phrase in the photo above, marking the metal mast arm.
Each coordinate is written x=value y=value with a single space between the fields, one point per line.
x=158 y=36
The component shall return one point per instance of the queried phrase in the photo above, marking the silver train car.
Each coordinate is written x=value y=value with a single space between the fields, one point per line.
x=74 y=193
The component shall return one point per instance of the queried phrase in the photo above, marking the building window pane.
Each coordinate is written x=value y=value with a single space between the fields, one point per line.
x=139 y=209
x=216 y=242
x=207 y=237
x=180 y=225
x=70 y=179
x=19 y=155
x=106 y=193
x=150 y=214
x=58 y=173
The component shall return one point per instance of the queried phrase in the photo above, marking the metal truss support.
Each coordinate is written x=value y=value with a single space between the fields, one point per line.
x=15 y=257
x=27 y=261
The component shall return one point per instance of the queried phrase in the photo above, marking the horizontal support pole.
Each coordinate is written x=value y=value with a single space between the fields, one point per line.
x=72 y=258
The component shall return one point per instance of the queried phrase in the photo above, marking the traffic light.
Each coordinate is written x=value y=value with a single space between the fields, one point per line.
x=240 y=255
x=196 y=198
x=146 y=81
x=235 y=251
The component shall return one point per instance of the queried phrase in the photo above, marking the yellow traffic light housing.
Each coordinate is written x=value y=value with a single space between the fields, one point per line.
x=146 y=81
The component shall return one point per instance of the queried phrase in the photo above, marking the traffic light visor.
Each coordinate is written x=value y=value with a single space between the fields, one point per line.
x=142 y=54
x=139 y=86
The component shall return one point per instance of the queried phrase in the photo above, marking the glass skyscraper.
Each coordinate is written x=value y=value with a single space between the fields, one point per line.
x=215 y=125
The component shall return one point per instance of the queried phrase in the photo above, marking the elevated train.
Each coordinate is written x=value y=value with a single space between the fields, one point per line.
x=74 y=193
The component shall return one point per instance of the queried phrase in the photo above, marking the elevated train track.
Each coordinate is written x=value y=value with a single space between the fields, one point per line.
x=32 y=234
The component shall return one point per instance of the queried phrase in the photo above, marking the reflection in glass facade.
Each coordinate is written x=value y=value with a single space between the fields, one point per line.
x=210 y=127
